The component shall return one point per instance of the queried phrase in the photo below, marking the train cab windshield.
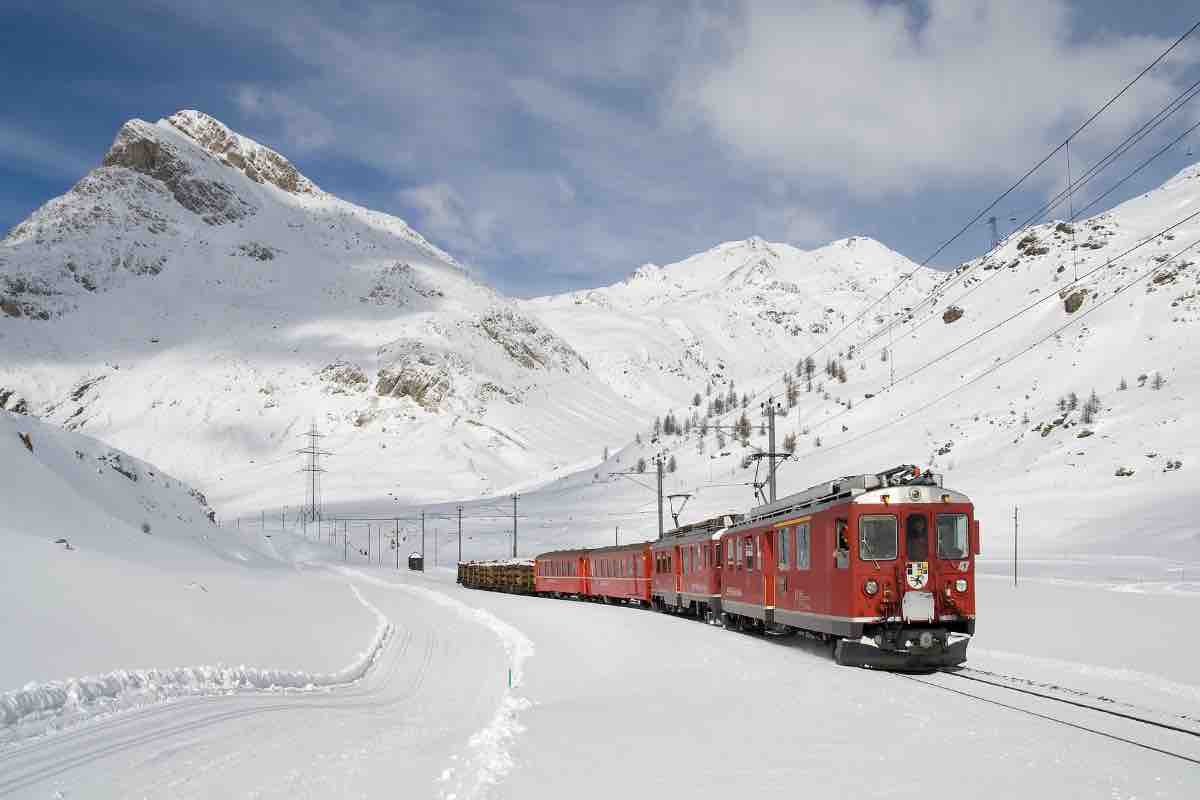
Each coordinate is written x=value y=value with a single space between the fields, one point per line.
x=952 y=539
x=916 y=538
x=877 y=537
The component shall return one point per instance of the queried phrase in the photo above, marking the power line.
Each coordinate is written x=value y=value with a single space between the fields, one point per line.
x=942 y=356
x=997 y=200
x=997 y=365
x=1110 y=158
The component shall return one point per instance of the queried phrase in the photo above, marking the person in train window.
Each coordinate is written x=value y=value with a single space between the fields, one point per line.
x=916 y=538
x=841 y=555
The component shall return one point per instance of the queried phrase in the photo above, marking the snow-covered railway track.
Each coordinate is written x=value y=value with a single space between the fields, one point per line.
x=1169 y=739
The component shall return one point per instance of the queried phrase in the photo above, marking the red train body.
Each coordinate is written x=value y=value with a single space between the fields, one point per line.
x=882 y=565
x=620 y=573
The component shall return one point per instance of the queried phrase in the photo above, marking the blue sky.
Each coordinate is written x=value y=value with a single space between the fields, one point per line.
x=559 y=145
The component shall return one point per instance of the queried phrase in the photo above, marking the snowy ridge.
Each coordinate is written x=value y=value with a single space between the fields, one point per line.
x=38 y=708
x=737 y=313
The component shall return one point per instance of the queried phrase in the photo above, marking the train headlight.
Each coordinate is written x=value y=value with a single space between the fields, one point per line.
x=960 y=585
x=871 y=586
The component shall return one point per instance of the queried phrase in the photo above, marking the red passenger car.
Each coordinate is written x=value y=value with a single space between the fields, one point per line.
x=605 y=573
x=619 y=573
x=563 y=572
x=687 y=568
x=882 y=564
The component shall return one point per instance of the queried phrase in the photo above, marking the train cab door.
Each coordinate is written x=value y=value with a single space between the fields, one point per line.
x=839 y=598
x=677 y=569
x=767 y=563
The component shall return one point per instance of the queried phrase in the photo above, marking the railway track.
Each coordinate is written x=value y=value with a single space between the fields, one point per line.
x=1173 y=732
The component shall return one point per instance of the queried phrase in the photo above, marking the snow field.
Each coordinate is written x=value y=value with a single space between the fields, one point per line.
x=37 y=708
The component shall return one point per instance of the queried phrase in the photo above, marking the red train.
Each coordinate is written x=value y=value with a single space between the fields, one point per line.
x=881 y=565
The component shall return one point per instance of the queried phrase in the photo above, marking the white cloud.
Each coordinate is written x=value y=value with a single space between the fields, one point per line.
x=304 y=128
x=871 y=99
x=40 y=154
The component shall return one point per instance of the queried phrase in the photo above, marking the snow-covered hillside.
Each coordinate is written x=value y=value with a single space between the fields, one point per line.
x=198 y=301
x=987 y=378
x=737 y=312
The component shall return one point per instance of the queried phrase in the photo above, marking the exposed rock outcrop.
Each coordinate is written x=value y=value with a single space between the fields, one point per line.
x=258 y=162
x=141 y=147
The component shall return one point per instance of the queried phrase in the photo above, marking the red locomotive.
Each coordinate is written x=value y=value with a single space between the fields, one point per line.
x=881 y=565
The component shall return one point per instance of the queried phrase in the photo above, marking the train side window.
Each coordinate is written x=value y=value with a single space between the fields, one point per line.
x=803 y=546
x=841 y=553
x=729 y=554
x=877 y=537
x=748 y=552
x=781 y=546
x=952 y=538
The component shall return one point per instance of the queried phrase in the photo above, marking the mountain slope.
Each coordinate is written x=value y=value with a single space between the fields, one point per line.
x=987 y=378
x=198 y=301
x=740 y=312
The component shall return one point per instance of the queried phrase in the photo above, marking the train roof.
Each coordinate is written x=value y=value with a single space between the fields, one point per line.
x=583 y=551
x=710 y=528
x=849 y=489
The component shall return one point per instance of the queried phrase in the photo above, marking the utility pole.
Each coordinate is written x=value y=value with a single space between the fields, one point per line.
x=422 y=536
x=770 y=410
x=617 y=536
x=1014 y=546
x=345 y=540
x=514 y=555
x=396 y=540
x=770 y=407
x=658 y=460
x=995 y=233
x=437 y=532
x=631 y=475
x=459 y=535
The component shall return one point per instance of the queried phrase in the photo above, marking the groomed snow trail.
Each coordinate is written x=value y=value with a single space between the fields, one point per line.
x=488 y=758
x=432 y=689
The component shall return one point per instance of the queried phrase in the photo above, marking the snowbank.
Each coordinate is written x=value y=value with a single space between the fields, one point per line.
x=37 y=708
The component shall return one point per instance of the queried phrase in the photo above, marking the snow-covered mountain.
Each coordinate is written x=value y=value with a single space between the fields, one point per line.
x=985 y=373
x=742 y=312
x=198 y=301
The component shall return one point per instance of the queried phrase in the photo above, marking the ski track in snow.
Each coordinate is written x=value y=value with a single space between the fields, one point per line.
x=39 y=708
x=489 y=757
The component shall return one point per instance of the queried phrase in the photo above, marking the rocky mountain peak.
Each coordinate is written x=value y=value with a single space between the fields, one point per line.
x=258 y=162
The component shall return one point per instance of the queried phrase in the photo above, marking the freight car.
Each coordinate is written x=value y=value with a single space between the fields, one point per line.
x=880 y=565
x=512 y=575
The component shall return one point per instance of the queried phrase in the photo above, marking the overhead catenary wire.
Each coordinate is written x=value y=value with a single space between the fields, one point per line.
x=942 y=356
x=1175 y=105
x=1043 y=210
x=999 y=364
x=1000 y=198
